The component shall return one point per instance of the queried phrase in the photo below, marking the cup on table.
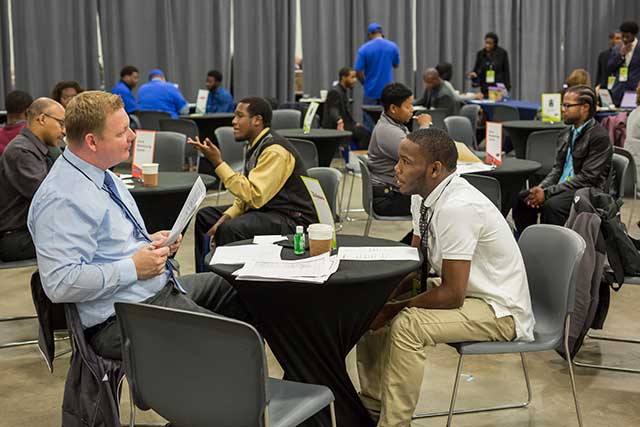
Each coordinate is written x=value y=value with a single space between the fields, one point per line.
x=150 y=174
x=320 y=238
x=323 y=94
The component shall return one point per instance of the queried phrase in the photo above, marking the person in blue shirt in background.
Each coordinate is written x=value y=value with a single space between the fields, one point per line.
x=219 y=99
x=129 y=78
x=374 y=67
x=160 y=95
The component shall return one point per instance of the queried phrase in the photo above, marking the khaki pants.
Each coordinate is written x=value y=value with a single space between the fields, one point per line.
x=391 y=359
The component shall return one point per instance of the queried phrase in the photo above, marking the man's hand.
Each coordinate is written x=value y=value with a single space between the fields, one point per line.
x=472 y=74
x=423 y=120
x=340 y=125
x=212 y=230
x=535 y=199
x=388 y=312
x=150 y=262
x=159 y=239
x=208 y=149
x=359 y=125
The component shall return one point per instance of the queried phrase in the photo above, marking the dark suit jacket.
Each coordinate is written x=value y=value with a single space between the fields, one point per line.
x=440 y=97
x=602 y=73
x=337 y=106
x=615 y=62
x=497 y=60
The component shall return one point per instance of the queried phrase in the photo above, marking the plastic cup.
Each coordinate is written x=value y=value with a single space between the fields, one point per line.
x=323 y=94
x=320 y=238
x=150 y=174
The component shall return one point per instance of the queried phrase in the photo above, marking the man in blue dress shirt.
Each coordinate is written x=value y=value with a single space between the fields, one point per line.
x=219 y=99
x=91 y=243
x=160 y=95
x=129 y=77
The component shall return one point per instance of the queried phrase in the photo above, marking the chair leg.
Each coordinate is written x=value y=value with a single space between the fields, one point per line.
x=344 y=184
x=454 y=394
x=12 y=318
x=132 y=406
x=608 y=367
x=332 y=409
x=367 y=227
x=633 y=206
x=573 y=380
x=21 y=343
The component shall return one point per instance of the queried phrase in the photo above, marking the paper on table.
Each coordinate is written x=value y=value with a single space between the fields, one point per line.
x=244 y=253
x=378 y=253
x=309 y=270
x=196 y=196
x=463 y=168
x=124 y=176
x=268 y=239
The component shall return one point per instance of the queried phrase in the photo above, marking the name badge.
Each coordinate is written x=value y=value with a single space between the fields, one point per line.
x=491 y=76
x=611 y=80
x=624 y=74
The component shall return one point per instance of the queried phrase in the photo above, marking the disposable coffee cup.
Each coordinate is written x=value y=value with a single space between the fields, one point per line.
x=150 y=174
x=320 y=238
x=323 y=94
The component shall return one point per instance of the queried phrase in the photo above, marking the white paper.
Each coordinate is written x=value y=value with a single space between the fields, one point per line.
x=494 y=141
x=463 y=168
x=196 y=196
x=268 y=239
x=124 y=176
x=379 y=253
x=317 y=269
x=245 y=253
x=143 y=147
x=201 y=101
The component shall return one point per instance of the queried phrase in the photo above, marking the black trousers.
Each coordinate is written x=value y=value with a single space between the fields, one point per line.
x=246 y=226
x=555 y=210
x=389 y=202
x=361 y=136
x=206 y=293
x=17 y=246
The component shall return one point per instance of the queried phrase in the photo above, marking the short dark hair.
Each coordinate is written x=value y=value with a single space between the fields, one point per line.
x=258 y=106
x=127 y=70
x=394 y=94
x=215 y=74
x=613 y=33
x=436 y=146
x=629 y=27
x=56 y=93
x=492 y=35
x=445 y=69
x=17 y=102
x=585 y=95
x=344 y=72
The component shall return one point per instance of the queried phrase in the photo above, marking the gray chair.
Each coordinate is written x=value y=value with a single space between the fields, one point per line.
x=437 y=117
x=542 y=147
x=286 y=119
x=169 y=150
x=11 y=265
x=504 y=113
x=620 y=165
x=551 y=255
x=459 y=128
x=367 y=199
x=150 y=120
x=134 y=122
x=329 y=181
x=471 y=111
x=488 y=186
x=232 y=151
x=307 y=150
x=201 y=370
x=186 y=127
x=630 y=180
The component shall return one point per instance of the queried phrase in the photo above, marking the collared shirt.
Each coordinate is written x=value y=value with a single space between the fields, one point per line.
x=465 y=225
x=158 y=95
x=8 y=132
x=567 y=172
x=274 y=167
x=629 y=55
x=85 y=243
x=377 y=58
x=123 y=89
x=220 y=101
x=23 y=166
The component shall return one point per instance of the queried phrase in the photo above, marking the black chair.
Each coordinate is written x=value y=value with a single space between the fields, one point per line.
x=620 y=166
x=186 y=127
x=201 y=370
x=150 y=120
x=12 y=265
x=308 y=151
x=488 y=186
x=542 y=147
x=505 y=113
x=169 y=151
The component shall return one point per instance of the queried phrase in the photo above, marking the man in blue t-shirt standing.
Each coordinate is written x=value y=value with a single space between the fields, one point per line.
x=374 y=66
x=129 y=77
x=160 y=95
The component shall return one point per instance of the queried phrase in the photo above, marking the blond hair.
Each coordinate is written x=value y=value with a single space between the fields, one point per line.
x=579 y=76
x=87 y=113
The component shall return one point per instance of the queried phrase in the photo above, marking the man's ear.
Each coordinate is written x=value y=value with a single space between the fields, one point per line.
x=90 y=141
x=435 y=169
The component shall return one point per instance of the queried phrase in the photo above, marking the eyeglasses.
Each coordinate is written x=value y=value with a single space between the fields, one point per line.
x=571 y=105
x=60 y=121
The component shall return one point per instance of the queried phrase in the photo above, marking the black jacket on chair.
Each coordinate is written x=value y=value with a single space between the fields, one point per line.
x=337 y=106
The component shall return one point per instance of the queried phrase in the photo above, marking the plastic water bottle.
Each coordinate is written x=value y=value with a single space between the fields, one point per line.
x=298 y=241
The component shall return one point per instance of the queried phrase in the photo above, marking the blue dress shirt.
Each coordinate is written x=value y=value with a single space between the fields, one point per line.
x=158 y=95
x=220 y=101
x=84 y=241
x=122 y=89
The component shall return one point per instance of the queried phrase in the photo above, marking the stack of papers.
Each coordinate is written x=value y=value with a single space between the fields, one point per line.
x=308 y=270
x=245 y=253
x=463 y=168
x=379 y=253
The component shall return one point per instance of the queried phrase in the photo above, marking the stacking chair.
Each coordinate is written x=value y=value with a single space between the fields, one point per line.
x=504 y=113
x=630 y=178
x=307 y=151
x=232 y=151
x=620 y=166
x=11 y=265
x=169 y=150
x=460 y=129
x=186 y=127
x=150 y=120
x=329 y=181
x=488 y=186
x=471 y=111
x=551 y=255
x=286 y=119
x=542 y=148
x=367 y=200
x=201 y=370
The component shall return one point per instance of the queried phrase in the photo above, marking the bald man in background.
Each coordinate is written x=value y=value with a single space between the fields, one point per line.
x=23 y=166
x=436 y=93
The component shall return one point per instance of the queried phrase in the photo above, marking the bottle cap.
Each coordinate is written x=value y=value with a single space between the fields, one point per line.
x=299 y=229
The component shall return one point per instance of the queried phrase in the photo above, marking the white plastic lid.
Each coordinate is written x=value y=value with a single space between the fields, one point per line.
x=299 y=229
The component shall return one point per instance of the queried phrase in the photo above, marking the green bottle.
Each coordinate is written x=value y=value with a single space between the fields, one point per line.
x=298 y=241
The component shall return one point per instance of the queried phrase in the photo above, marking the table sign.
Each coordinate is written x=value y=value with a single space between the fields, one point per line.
x=494 y=143
x=551 y=107
x=142 y=151
x=320 y=203
x=308 y=117
x=201 y=101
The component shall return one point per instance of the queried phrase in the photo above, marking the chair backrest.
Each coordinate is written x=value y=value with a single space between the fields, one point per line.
x=459 y=128
x=551 y=257
x=487 y=185
x=307 y=150
x=186 y=127
x=437 y=117
x=232 y=151
x=542 y=148
x=286 y=119
x=632 y=171
x=329 y=181
x=367 y=189
x=169 y=151
x=193 y=369
x=504 y=113
x=471 y=111
x=620 y=167
x=134 y=122
x=150 y=120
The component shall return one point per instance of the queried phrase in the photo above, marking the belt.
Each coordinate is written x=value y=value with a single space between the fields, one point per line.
x=89 y=333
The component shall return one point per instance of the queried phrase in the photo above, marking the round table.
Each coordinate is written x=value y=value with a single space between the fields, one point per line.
x=161 y=205
x=512 y=175
x=311 y=328
x=325 y=140
x=519 y=131
x=208 y=123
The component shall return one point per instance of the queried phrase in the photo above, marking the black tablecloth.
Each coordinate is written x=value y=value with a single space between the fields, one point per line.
x=519 y=131
x=160 y=206
x=326 y=141
x=311 y=328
